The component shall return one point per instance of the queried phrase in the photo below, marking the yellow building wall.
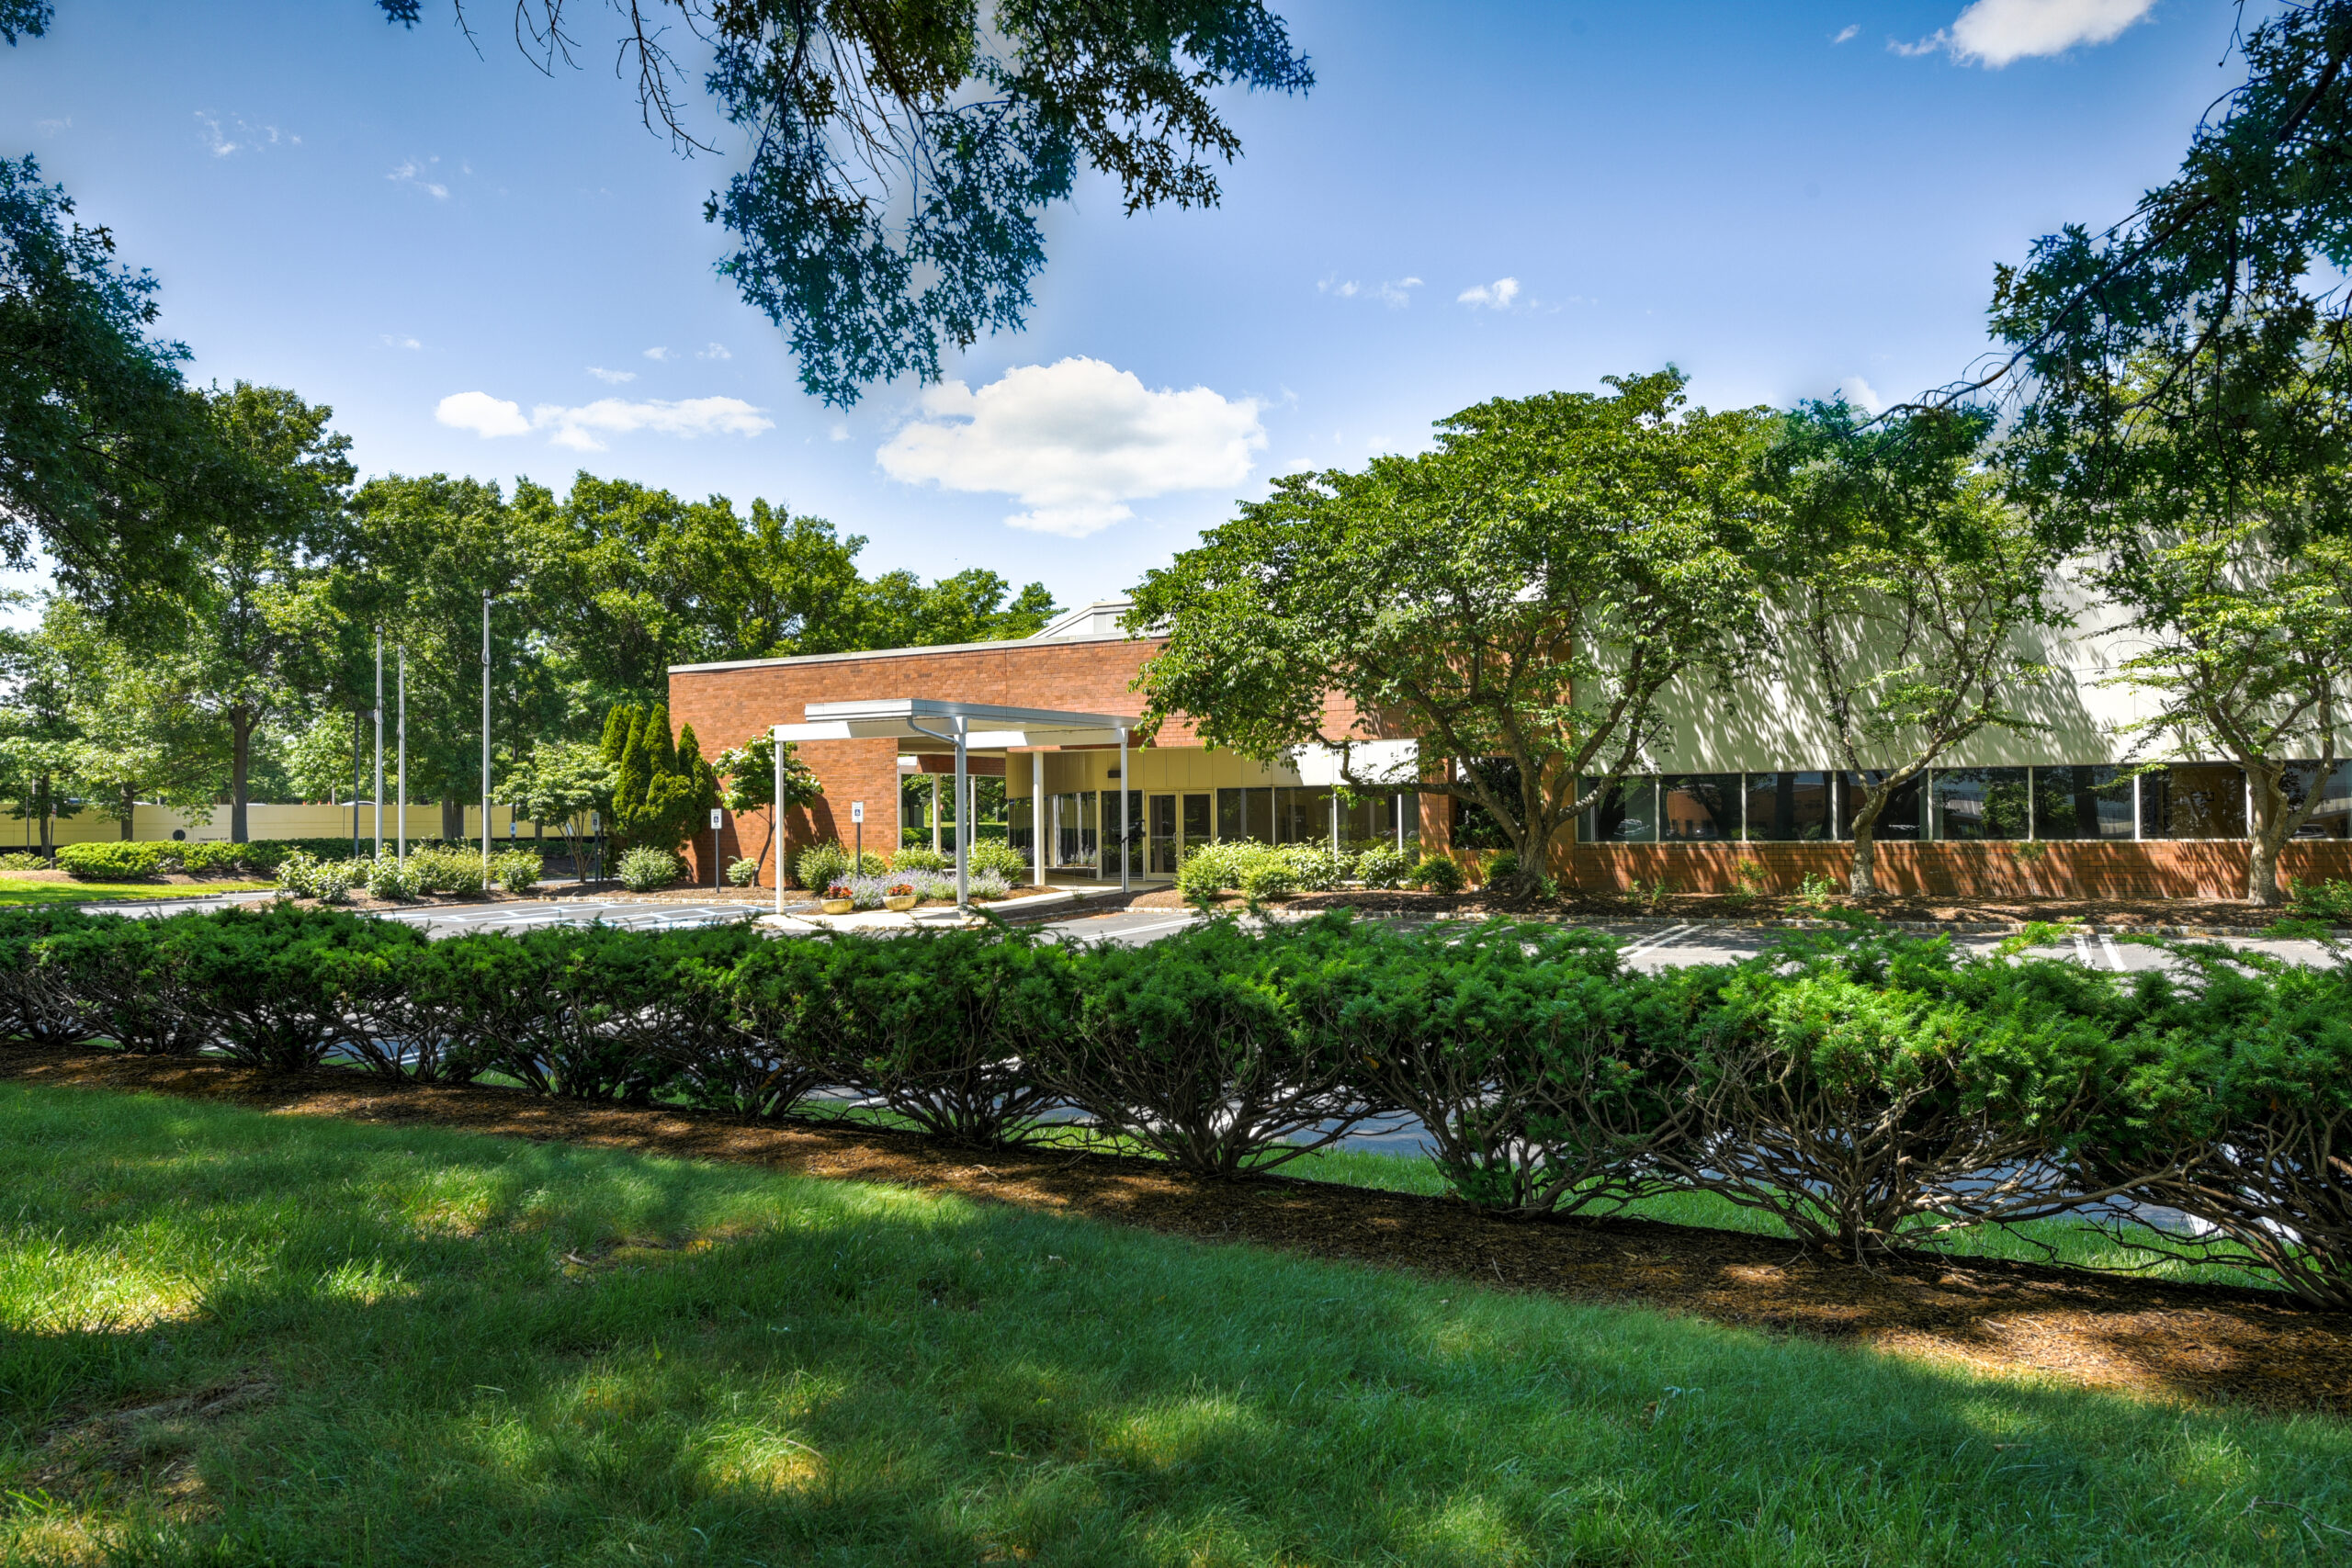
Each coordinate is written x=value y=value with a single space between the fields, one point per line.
x=157 y=822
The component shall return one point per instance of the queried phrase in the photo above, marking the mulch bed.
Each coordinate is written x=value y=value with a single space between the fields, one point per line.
x=2187 y=1343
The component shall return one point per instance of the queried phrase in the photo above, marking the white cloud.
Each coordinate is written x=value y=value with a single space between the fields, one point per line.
x=837 y=431
x=1495 y=295
x=582 y=428
x=716 y=351
x=395 y=340
x=236 y=136
x=1995 y=32
x=657 y=353
x=48 y=128
x=1074 y=442
x=1848 y=33
x=1396 y=295
x=611 y=378
x=1862 y=395
x=411 y=173
x=482 y=414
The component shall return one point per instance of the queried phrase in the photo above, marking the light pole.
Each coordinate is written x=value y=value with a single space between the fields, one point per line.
x=401 y=829
x=379 y=742
x=485 y=738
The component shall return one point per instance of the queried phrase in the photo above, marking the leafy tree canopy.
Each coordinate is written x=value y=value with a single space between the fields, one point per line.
x=901 y=156
x=1527 y=591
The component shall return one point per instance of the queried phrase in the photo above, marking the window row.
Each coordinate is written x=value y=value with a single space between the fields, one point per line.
x=1082 y=826
x=2188 y=800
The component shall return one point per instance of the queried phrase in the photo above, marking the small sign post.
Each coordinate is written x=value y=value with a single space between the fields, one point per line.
x=716 y=815
x=857 y=821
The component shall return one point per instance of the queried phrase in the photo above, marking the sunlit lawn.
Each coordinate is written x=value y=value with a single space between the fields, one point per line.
x=424 y=1347
x=26 y=890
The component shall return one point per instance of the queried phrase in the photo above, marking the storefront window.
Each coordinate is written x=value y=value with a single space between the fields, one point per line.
x=1075 y=832
x=1699 y=807
x=1788 y=808
x=2082 y=801
x=1627 y=814
x=1898 y=819
x=2331 y=817
x=1978 y=803
x=1303 y=815
x=2193 y=800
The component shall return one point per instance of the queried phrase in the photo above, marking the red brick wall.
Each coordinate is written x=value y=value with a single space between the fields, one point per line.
x=2138 y=869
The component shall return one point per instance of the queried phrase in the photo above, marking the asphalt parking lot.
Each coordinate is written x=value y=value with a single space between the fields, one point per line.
x=1647 y=944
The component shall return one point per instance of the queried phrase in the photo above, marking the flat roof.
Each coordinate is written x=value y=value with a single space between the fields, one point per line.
x=1000 y=645
x=985 y=726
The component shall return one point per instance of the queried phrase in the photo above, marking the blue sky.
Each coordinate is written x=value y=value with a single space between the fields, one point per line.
x=1477 y=201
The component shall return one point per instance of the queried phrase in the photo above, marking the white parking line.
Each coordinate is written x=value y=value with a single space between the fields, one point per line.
x=1663 y=938
x=2114 y=954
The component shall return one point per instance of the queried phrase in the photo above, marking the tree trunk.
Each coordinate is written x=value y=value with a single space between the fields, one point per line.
x=240 y=762
x=130 y=813
x=1861 y=881
x=48 y=818
x=2273 y=820
x=453 y=818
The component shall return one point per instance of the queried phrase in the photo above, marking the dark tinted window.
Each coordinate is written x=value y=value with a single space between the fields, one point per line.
x=1698 y=807
x=2193 y=800
x=1790 y=808
x=2331 y=817
x=1978 y=803
x=2082 y=801
x=1474 y=829
x=1898 y=818
x=1627 y=814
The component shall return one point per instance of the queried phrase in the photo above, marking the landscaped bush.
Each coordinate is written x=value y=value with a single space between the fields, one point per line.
x=743 y=871
x=920 y=857
x=1548 y=1077
x=453 y=870
x=385 y=877
x=1201 y=1048
x=328 y=881
x=1437 y=873
x=996 y=855
x=1383 y=866
x=219 y=857
x=110 y=860
x=1871 y=1091
x=517 y=871
x=2329 y=901
x=645 y=869
x=937 y=1024
x=820 y=866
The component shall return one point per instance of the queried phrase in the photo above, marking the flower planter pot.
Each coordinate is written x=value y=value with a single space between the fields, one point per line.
x=839 y=906
x=901 y=904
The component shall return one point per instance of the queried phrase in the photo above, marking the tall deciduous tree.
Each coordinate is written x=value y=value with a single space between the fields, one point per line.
x=140 y=729
x=901 y=156
x=1908 y=584
x=253 y=625
x=1527 y=591
x=2187 y=386
x=107 y=462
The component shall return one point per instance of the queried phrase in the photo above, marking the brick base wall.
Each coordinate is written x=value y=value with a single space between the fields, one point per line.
x=2138 y=870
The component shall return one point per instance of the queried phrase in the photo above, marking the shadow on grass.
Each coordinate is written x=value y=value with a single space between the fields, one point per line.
x=488 y=1351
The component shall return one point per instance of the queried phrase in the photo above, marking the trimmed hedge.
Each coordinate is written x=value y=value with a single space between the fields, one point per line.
x=1870 y=1089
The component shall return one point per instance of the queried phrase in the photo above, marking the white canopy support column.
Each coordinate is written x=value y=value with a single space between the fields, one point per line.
x=1038 y=815
x=1127 y=851
x=775 y=824
x=963 y=813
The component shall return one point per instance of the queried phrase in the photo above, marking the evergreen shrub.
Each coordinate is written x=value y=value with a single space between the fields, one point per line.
x=645 y=869
x=110 y=860
x=1437 y=873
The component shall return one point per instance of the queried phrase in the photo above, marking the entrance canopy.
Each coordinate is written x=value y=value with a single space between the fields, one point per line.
x=975 y=727
x=967 y=727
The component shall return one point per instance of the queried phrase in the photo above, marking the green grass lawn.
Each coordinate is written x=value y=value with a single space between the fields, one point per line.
x=393 y=1358
x=26 y=890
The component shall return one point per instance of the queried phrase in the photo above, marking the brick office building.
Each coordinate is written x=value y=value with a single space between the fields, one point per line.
x=1180 y=794
x=1741 y=787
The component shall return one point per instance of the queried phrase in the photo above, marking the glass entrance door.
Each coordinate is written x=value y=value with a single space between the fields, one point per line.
x=1163 y=835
